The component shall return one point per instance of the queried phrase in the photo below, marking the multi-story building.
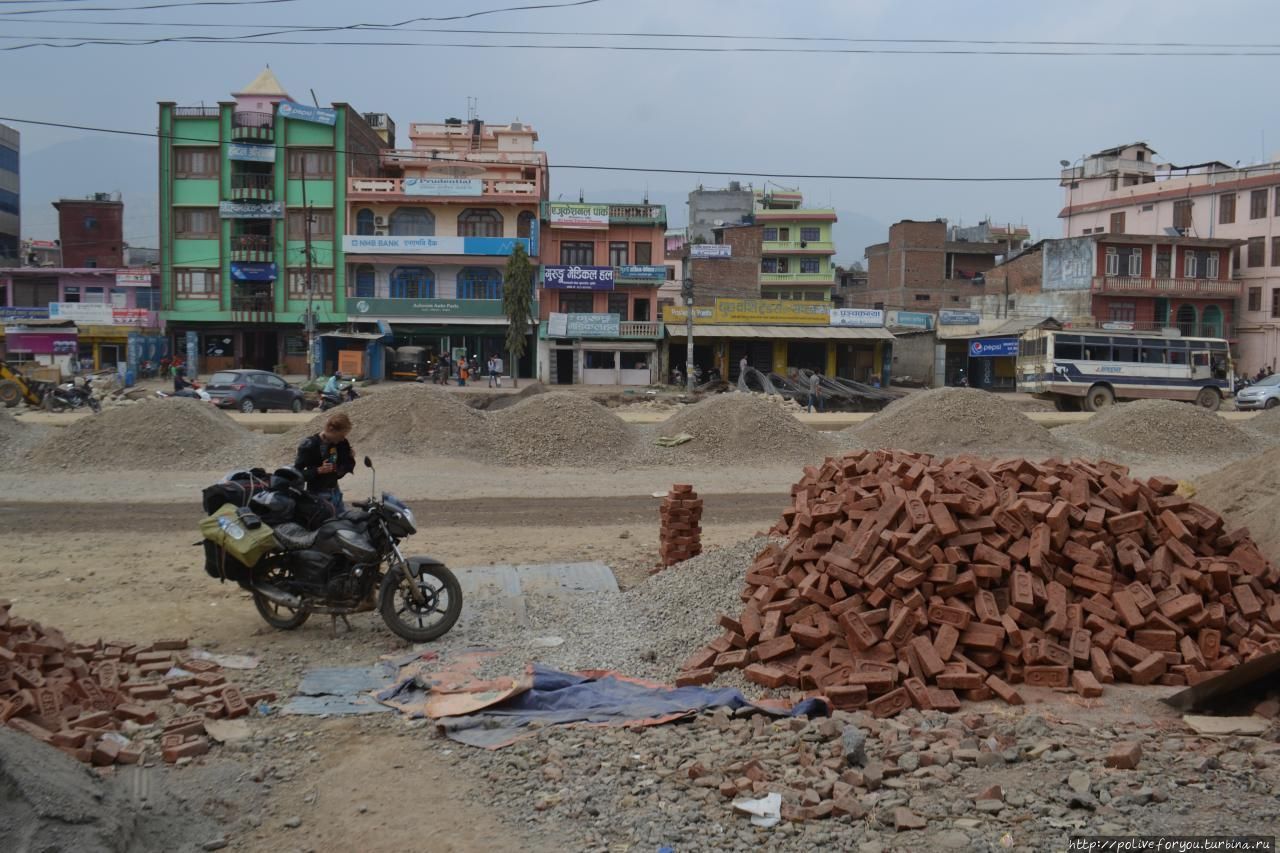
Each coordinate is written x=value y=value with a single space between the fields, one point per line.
x=427 y=238
x=10 y=197
x=253 y=203
x=711 y=209
x=603 y=264
x=796 y=247
x=1122 y=190
x=91 y=231
x=928 y=267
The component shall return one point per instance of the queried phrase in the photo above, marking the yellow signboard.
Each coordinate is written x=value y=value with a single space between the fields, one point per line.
x=753 y=311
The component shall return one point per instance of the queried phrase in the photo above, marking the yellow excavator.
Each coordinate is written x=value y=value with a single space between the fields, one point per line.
x=15 y=388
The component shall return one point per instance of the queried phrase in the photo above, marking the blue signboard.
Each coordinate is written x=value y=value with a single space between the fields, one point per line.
x=8 y=313
x=302 y=112
x=193 y=354
x=362 y=245
x=642 y=272
x=915 y=319
x=577 y=278
x=243 y=271
x=959 y=318
x=993 y=347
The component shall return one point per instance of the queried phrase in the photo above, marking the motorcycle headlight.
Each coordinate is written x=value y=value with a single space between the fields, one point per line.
x=408 y=516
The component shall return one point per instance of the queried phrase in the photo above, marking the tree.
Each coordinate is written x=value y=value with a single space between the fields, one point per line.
x=517 y=304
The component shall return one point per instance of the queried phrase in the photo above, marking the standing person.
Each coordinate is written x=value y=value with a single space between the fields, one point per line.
x=325 y=457
x=493 y=370
x=497 y=369
x=742 y=366
x=462 y=371
x=813 y=392
x=180 y=382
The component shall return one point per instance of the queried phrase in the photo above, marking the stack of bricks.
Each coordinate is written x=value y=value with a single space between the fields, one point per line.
x=908 y=580
x=78 y=698
x=680 y=536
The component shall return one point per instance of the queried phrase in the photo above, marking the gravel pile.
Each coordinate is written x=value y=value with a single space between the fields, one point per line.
x=1164 y=428
x=1264 y=426
x=16 y=438
x=738 y=427
x=409 y=419
x=1247 y=493
x=952 y=420
x=560 y=428
x=160 y=435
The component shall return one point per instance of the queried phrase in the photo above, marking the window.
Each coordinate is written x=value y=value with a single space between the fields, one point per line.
x=1186 y=319
x=1182 y=213
x=922 y=297
x=618 y=304
x=195 y=222
x=1117 y=223
x=364 y=222
x=581 y=254
x=412 y=283
x=147 y=298
x=524 y=225
x=1147 y=208
x=1135 y=263
x=71 y=293
x=310 y=163
x=1164 y=263
x=810 y=235
x=365 y=281
x=1226 y=209
x=575 y=303
x=617 y=254
x=1124 y=349
x=1277 y=207
x=784 y=234
x=479 y=222
x=1255 y=299
x=770 y=235
x=1275 y=302
x=412 y=222
x=195 y=162
x=1154 y=351
x=1211 y=265
x=1257 y=252
x=1235 y=259
x=1189 y=265
x=1113 y=261
x=479 y=283
x=1258 y=204
x=644 y=253
x=195 y=283
x=1122 y=312
x=809 y=265
x=1275 y=251
x=1096 y=349
x=768 y=265
x=321 y=224
x=784 y=265
x=321 y=283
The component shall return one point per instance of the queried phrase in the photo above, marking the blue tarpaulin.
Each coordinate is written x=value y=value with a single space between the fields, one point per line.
x=560 y=698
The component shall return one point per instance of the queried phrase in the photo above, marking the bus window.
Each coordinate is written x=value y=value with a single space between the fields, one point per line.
x=1096 y=349
x=1124 y=350
x=1199 y=359
x=1068 y=347
x=1153 y=351
x=1178 y=356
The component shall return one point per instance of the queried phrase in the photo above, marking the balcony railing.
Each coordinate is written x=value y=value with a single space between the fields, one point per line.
x=1186 y=330
x=251 y=247
x=257 y=307
x=196 y=112
x=253 y=126
x=252 y=186
x=639 y=329
x=827 y=277
x=1167 y=286
x=385 y=187
x=783 y=214
x=784 y=246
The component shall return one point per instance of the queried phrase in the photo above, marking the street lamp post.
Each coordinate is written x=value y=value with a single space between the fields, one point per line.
x=686 y=291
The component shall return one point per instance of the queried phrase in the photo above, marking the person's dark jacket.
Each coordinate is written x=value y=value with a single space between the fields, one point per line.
x=314 y=452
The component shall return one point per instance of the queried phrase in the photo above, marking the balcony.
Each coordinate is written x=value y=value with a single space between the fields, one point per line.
x=639 y=329
x=796 y=214
x=1204 y=287
x=375 y=189
x=253 y=305
x=827 y=277
x=1186 y=330
x=253 y=127
x=252 y=247
x=798 y=247
x=252 y=187
x=196 y=112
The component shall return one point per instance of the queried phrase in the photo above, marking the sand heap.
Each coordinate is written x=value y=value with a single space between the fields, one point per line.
x=409 y=419
x=560 y=428
x=15 y=436
x=742 y=428
x=1160 y=428
x=171 y=434
x=1248 y=494
x=952 y=420
x=1264 y=426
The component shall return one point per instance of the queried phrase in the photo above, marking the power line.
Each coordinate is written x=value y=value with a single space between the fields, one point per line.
x=145 y=8
x=429 y=157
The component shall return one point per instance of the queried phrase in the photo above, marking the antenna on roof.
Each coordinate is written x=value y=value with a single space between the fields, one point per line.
x=314 y=100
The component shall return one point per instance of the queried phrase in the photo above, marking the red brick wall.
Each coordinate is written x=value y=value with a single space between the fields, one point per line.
x=102 y=244
x=1024 y=274
x=735 y=277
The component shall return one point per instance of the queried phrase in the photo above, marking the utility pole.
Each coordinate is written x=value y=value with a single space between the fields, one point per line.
x=310 y=317
x=687 y=291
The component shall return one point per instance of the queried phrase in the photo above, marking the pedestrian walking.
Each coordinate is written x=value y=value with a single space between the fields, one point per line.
x=814 y=396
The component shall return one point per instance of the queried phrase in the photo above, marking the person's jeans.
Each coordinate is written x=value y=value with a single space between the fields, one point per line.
x=814 y=399
x=333 y=496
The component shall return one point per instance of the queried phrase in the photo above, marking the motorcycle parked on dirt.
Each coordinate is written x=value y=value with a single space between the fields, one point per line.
x=68 y=396
x=195 y=392
x=346 y=393
x=348 y=564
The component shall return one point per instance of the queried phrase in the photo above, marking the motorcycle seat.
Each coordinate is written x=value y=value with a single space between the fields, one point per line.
x=295 y=537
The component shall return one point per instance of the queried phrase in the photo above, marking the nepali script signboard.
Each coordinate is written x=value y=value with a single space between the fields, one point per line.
x=563 y=214
x=577 y=278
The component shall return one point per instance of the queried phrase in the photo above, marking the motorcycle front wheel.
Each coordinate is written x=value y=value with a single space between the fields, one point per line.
x=430 y=619
x=54 y=405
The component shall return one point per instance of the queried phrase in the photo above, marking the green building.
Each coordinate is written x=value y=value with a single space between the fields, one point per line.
x=237 y=181
x=796 y=247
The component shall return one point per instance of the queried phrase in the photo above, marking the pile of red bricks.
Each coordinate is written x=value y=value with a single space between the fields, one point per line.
x=680 y=536
x=78 y=698
x=908 y=580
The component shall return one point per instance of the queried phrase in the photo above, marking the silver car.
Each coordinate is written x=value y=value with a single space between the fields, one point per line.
x=1263 y=394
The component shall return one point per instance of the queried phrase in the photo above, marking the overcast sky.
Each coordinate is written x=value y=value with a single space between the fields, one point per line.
x=908 y=115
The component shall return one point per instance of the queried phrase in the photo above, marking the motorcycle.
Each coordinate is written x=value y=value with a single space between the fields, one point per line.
x=346 y=393
x=352 y=564
x=195 y=392
x=72 y=395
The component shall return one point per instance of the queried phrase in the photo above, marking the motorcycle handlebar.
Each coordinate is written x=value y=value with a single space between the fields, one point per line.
x=363 y=504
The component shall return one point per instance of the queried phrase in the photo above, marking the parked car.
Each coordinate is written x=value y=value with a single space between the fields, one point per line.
x=253 y=391
x=1263 y=394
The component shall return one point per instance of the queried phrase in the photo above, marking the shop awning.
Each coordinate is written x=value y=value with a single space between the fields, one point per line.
x=794 y=333
x=354 y=336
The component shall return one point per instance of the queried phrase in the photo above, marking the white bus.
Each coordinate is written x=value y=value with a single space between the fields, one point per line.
x=1076 y=369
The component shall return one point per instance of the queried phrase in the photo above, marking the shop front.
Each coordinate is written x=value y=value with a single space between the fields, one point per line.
x=598 y=349
x=993 y=363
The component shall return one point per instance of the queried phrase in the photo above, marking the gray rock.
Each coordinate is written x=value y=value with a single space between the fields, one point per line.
x=949 y=839
x=1078 y=781
x=854 y=742
x=214 y=844
x=293 y=822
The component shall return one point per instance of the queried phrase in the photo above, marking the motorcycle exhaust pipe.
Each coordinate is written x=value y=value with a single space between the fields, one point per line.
x=278 y=596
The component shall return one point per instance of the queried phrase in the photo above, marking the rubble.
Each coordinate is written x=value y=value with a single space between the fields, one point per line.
x=912 y=581
x=109 y=703
x=952 y=420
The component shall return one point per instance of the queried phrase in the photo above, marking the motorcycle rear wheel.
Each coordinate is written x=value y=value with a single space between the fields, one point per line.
x=420 y=623
x=277 y=615
x=53 y=404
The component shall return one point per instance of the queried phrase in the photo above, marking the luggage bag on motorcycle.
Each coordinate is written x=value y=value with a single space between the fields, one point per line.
x=233 y=531
x=236 y=488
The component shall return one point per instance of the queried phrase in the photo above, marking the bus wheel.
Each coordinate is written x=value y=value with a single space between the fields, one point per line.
x=1066 y=404
x=1099 y=397
x=1208 y=399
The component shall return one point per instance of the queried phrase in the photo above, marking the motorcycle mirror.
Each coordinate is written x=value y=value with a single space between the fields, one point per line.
x=368 y=463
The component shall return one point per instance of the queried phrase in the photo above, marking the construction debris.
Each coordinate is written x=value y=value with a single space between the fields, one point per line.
x=908 y=580
x=680 y=536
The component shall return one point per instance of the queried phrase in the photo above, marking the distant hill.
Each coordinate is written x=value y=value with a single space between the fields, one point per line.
x=80 y=167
